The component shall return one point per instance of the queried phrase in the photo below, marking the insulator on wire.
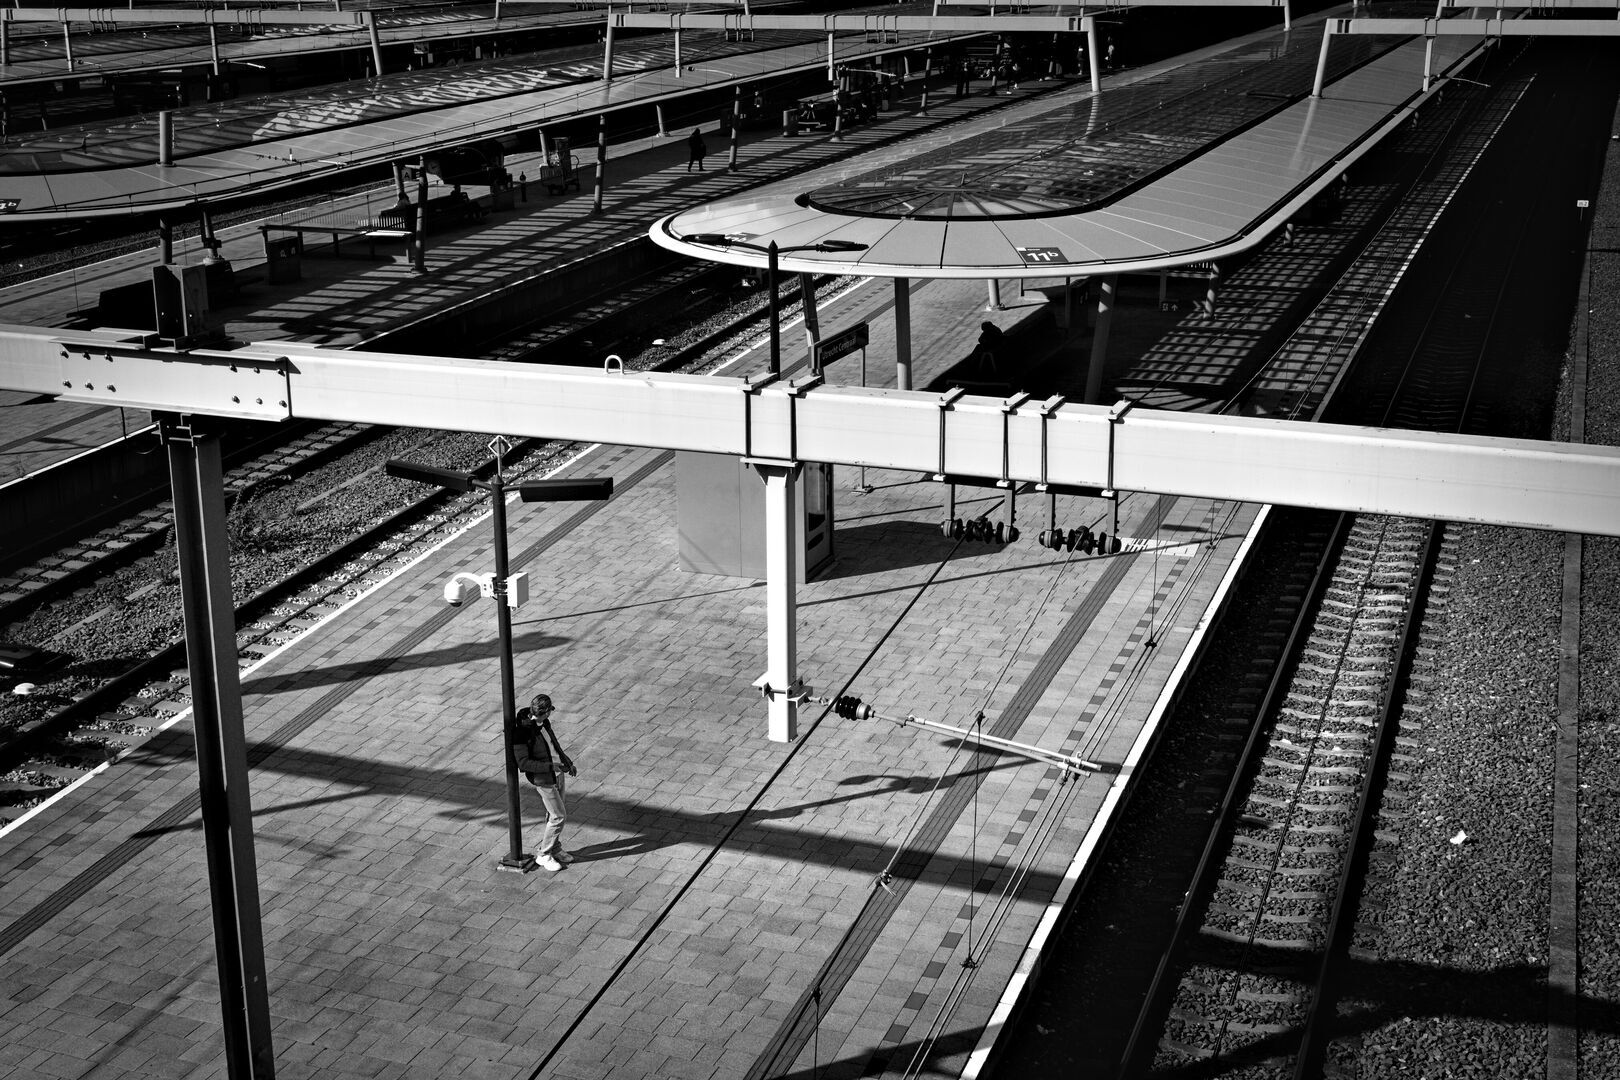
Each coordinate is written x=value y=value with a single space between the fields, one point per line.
x=850 y=708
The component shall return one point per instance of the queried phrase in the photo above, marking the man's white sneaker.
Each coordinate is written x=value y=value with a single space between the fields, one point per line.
x=546 y=862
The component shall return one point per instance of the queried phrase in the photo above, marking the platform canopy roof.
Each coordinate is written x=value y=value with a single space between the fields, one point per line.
x=1065 y=191
x=257 y=144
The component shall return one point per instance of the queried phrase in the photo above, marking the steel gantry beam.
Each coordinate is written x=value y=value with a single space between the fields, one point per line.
x=776 y=425
x=1489 y=480
x=1519 y=25
x=183 y=16
x=956 y=24
x=1500 y=26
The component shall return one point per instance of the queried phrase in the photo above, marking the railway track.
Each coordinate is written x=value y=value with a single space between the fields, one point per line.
x=1274 y=906
x=1292 y=838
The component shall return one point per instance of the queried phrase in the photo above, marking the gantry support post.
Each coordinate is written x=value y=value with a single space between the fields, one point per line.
x=601 y=162
x=67 y=43
x=1107 y=284
x=1428 y=63
x=376 y=44
x=1288 y=16
x=993 y=299
x=832 y=71
x=216 y=709
x=165 y=240
x=5 y=43
x=607 y=51
x=812 y=320
x=213 y=46
x=902 y=333
x=780 y=684
x=677 y=54
x=663 y=131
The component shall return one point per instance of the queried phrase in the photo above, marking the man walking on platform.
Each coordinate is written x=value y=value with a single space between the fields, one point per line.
x=532 y=747
x=696 y=148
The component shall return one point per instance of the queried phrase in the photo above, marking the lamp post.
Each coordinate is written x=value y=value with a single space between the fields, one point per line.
x=771 y=251
x=507 y=590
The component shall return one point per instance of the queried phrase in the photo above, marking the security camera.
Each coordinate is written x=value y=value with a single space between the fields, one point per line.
x=459 y=589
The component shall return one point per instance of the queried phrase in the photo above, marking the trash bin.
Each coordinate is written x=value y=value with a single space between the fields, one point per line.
x=790 y=121
x=283 y=258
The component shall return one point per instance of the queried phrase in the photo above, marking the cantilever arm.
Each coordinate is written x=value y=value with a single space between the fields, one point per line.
x=851 y=708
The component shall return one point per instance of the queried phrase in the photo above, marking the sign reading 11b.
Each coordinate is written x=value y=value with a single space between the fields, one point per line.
x=1040 y=255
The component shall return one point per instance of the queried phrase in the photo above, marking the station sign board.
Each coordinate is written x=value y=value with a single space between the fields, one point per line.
x=841 y=344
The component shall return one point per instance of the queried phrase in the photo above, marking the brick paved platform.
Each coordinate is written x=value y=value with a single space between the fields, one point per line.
x=740 y=908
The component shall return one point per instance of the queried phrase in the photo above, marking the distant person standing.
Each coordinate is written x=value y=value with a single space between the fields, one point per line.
x=696 y=148
x=532 y=746
x=988 y=350
x=523 y=186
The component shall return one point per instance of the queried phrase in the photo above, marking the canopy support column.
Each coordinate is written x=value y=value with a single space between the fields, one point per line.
x=419 y=255
x=165 y=240
x=780 y=683
x=376 y=44
x=993 y=301
x=67 y=43
x=1099 y=337
x=165 y=137
x=607 y=52
x=213 y=46
x=601 y=162
x=205 y=231
x=1094 y=56
x=677 y=54
x=812 y=321
x=663 y=130
x=1321 y=59
x=902 y=333
x=735 y=124
x=216 y=710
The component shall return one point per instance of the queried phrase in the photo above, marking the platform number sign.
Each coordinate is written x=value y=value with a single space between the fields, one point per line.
x=1041 y=255
x=9 y=206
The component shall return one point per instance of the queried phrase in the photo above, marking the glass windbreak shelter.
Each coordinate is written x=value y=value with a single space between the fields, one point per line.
x=720 y=515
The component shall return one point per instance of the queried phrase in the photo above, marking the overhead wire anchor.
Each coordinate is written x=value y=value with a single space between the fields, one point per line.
x=852 y=708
